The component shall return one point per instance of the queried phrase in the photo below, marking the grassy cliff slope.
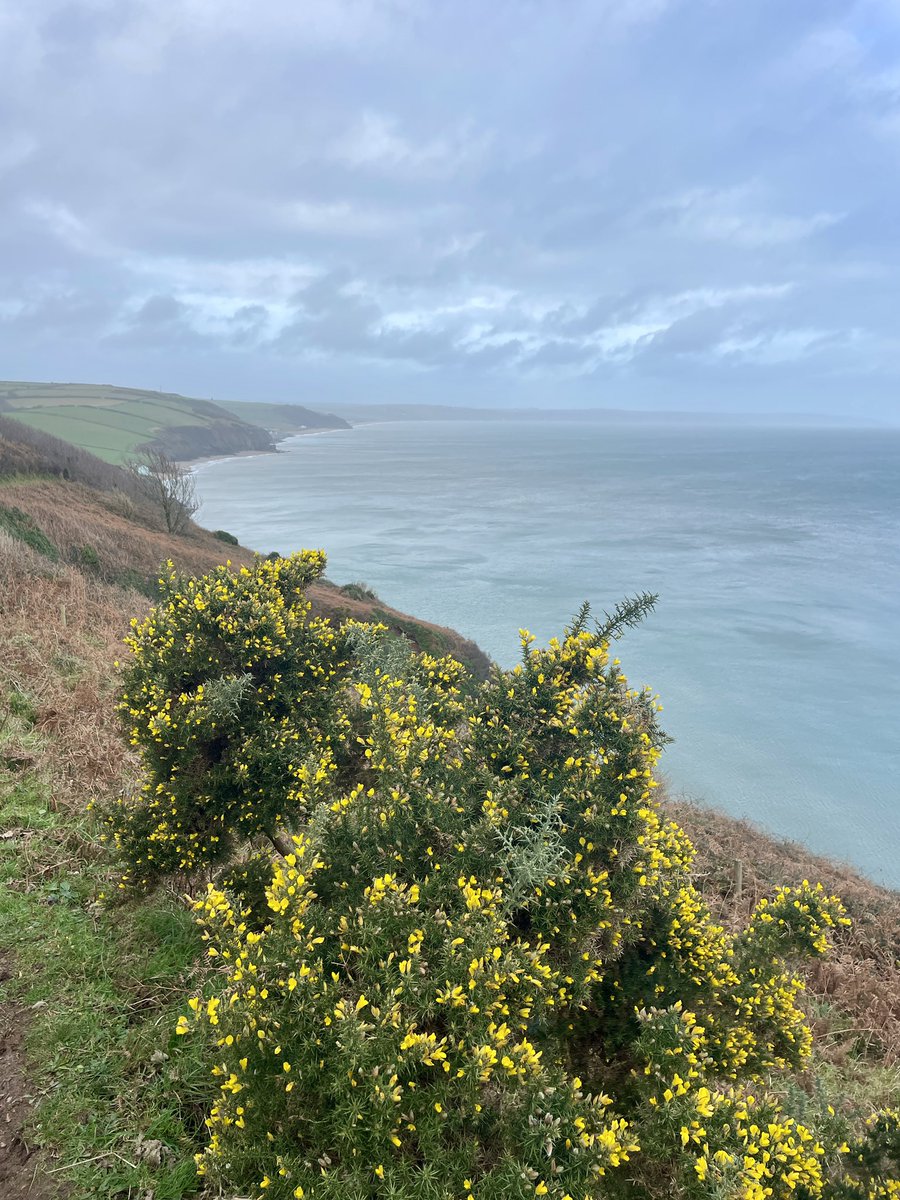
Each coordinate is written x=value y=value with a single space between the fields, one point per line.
x=79 y=511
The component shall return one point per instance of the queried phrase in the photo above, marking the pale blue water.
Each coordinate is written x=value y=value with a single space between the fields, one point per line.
x=776 y=553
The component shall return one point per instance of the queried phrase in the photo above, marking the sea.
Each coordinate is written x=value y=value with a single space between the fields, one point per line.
x=775 y=553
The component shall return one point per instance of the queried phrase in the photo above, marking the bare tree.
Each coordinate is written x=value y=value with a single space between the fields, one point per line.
x=168 y=486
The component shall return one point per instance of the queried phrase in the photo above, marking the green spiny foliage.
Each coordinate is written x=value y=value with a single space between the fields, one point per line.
x=481 y=967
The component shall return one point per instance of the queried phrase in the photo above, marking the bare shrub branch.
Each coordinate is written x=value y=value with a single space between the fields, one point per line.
x=168 y=486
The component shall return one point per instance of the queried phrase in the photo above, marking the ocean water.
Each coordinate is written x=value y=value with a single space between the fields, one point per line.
x=775 y=646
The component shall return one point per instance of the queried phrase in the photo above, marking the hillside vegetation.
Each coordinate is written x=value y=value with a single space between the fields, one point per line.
x=113 y=423
x=79 y=511
x=283 y=419
x=105 y=1099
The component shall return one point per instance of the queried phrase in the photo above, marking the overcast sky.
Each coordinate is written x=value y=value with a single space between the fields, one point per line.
x=624 y=203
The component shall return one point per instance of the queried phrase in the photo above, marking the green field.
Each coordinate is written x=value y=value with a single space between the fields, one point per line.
x=111 y=422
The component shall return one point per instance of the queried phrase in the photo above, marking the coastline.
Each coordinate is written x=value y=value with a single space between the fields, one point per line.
x=191 y=463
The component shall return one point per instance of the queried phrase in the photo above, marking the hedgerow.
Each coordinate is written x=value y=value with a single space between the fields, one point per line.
x=478 y=966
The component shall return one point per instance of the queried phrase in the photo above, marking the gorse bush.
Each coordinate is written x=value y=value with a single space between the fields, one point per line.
x=479 y=967
x=229 y=696
x=358 y=591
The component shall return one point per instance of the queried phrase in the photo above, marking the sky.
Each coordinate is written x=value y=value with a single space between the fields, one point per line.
x=639 y=204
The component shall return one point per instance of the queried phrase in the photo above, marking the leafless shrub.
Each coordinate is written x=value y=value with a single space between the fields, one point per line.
x=168 y=486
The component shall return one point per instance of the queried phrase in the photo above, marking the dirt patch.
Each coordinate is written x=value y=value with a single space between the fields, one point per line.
x=21 y=1175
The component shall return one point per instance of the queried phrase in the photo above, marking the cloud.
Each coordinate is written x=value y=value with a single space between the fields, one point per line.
x=375 y=142
x=138 y=34
x=508 y=195
x=696 y=334
x=159 y=321
x=339 y=218
x=329 y=318
x=772 y=347
x=67 y=227
x=565 y=354
x=732 y=215
x=248 y=325
x=644 y=326
x=68 y=313
x=239 y=280
x=16 y=149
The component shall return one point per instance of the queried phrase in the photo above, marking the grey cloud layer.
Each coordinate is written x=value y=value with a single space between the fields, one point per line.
x=676 y=203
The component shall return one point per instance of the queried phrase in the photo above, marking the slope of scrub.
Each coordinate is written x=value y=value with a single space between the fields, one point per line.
x=89 y=513
x=113 y=1111
x=119 y=1103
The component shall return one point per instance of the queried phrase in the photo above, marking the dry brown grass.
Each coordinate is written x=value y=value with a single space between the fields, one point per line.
x=130 y=544
x=60 y=633
x=128 y=541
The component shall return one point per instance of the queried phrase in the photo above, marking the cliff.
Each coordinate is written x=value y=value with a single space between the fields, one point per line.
x=219 y=436
x=283 y=419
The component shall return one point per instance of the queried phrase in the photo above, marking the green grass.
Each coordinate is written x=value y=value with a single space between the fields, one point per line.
x=102 y=431
x=21 y=396
x=429 y=640
x=110 y=422
x=112 y=432
x=36 y=395
x=358 y=591
x=271 y=416
x=855 y=1079
x=21 y=526
x=109 y=984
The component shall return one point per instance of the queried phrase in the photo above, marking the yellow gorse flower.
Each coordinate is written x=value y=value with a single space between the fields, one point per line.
x=474 y=895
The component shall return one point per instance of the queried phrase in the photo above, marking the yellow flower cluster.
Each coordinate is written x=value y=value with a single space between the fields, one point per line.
x=479 y=966
x=369 y=1034
x=873 y=1160
x=229 y=695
